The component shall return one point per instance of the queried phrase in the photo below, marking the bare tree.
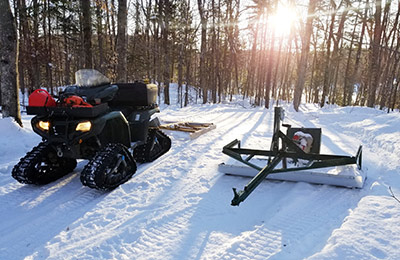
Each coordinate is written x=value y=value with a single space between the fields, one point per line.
x=375 y=56
x=87 y=33
x=304 y=55
x=8 y=57
x=203 y=49
x=336 y=54
x=166 y=11
x=100 y=37
x=121 y=40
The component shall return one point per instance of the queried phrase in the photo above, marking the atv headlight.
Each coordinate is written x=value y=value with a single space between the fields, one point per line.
x=44 y=125
x=84 y=126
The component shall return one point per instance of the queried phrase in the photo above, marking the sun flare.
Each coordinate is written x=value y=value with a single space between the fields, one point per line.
x=283 y=20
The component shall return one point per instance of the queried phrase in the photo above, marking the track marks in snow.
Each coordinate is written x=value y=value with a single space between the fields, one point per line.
x=158 y=206
x=37 y=219
x=188 y=162
x=372 y=240
x=306 y=212
x=163 y=235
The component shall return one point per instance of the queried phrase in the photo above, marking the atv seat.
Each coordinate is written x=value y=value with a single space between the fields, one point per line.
x=103 y=93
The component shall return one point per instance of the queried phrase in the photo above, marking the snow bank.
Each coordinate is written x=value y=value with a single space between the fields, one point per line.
x=15 y=142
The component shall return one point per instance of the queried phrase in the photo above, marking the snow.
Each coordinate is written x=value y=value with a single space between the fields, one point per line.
x=179 y=206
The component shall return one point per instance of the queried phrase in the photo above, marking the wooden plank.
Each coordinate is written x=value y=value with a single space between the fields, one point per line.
x=202 y=131
x=194 y=129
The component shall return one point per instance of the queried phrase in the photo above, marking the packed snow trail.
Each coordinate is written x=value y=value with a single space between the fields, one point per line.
x=179 y=206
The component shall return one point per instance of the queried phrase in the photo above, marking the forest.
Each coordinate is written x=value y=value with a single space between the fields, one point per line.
x=342 y=52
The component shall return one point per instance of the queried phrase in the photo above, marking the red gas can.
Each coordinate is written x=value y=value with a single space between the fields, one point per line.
x=41 y=98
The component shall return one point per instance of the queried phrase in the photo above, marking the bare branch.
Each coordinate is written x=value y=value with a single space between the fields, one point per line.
x=390 y=188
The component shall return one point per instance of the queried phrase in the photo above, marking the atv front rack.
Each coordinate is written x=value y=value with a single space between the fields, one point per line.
x=279 y=156
x=69 y=111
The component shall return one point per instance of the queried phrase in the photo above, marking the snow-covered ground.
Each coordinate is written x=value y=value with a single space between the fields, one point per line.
x=179 y=206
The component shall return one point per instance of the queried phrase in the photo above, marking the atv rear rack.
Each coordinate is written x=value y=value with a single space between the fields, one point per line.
x=279 y=156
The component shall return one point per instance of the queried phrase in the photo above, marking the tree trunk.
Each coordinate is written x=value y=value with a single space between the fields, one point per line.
x=375 y=56
x=314 y=88
x=251 y=68
x=327 y=72
x=387 y=58
x=20 y=19
x=25 y=47
x=121 y=41
x=234 y=46
x=349 y=74
x=36 y=67
x=166 y=13
x=336 y=54
x=304 y=55
x=67 y=60
x=286 y=78
x=277 y=63
x=269 y=70
x=100 y=38
x=218 y=82
x=188 y=58
x=180 y=74
x=357 y=66
x=8 y=58
x=47 y=45
x=156 y=65
x=148 y=43
x=213 y=59
x=87 y=33
x=271 y=54
x=203 y=49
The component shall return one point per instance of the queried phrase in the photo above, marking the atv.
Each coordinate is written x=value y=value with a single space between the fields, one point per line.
x=110 y=125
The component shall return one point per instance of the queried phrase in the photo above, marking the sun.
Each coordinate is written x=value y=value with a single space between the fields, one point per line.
x=283 y=20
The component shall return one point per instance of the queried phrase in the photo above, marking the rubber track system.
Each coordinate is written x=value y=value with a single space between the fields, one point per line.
x=109 y=168
x=42 y=166
x=157 y=144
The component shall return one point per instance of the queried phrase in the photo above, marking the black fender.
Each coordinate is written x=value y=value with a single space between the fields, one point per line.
x=112 y=128
x=139 y=122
